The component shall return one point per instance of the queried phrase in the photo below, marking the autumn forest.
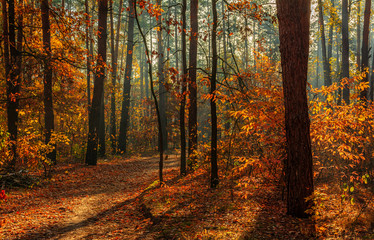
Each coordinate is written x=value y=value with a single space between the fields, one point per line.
x=166 y=119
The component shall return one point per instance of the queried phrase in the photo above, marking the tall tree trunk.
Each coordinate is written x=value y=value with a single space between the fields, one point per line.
x=345 y=50
x=114 y=49
x=48 y=102
x=88 y=25
x=11 y=59
x=98 y=91
x=161 y=81
x=331 y=31
x=358 y=47
x=371 y=89
x=213 y=107
x=176 y=39
x=141 y=53
x=326 y=63
x=182 y=127
x=192 y=86
x=318 y=60
x=365 y=49
x=125 y=116
x=294 y=23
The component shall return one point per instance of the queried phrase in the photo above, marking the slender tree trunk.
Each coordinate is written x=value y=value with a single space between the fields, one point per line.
x=12 y=71
x=326 y=63
x=365 y=49
x=318 y=60
x=192 y=86
x=371 y=89
x=213 y=108
x=98 y=91
x=48 y=102
x=125 y=115
x=161 y=81
x=182 y=127
x=331 y=32
x=245 y=43
x=345 y=50
x=176 y=40
x=88 y=24
x=358 y=47
x=141 y=53
x=294 y=23
x=114 y=49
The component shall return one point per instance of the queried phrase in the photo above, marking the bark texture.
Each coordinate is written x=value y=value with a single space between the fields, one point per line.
x=192 y=86
x=294 y=23
x=98 y=91
x=345 y=50
x=48 y=101
x=125 y=116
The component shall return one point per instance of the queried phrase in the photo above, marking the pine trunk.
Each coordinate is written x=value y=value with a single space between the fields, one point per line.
x=294 y=23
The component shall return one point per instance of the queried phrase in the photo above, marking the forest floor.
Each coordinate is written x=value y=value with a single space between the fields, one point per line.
x=120 y=199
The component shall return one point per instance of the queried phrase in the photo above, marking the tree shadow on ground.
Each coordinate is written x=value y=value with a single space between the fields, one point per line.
x=272 y=222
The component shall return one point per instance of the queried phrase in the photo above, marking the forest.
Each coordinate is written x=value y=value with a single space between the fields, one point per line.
x=166 y=119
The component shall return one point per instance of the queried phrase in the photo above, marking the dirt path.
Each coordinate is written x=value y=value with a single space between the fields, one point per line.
x=83 y=202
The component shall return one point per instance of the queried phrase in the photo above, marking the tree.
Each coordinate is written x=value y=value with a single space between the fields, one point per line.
x=160 y=139
x=345 y=50
x=365 y=49
x=294 y=23
x=192 y=86
x=182 y=128
x=12 y=59
x=88 y=52
x=48 y=101
x=114 y=49
x=98 y=91
x=161 y=80
x=213 y=106
x=326 y=61
x=125 y=116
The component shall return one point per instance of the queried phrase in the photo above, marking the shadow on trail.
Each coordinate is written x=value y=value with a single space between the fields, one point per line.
x=131 y=176
x=272 y=222
x=55 y=230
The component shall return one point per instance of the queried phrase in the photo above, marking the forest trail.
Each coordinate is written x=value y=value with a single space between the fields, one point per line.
x=77 y=202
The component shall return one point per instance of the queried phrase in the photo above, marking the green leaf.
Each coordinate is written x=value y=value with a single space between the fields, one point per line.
x=351 y=189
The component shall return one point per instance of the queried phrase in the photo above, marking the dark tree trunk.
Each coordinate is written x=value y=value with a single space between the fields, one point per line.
x=326 y=62
x=358 y=47
x=182 y=127
x=318 y=60
x=365 y=49
x=331 y=32
x=48 y=102
x=161 y=82
x=141 y=53
x=192 y=86
x=214 y=180
x=12 y=60
x=345 y=50
x=294 y=23
x=102 y=142
x=114 y=49
x=125 y=116
x=88 y=25
x=98 y=91
x=371 y=89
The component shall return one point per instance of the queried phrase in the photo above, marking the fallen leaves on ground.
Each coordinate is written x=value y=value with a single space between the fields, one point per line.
x=121 y=199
